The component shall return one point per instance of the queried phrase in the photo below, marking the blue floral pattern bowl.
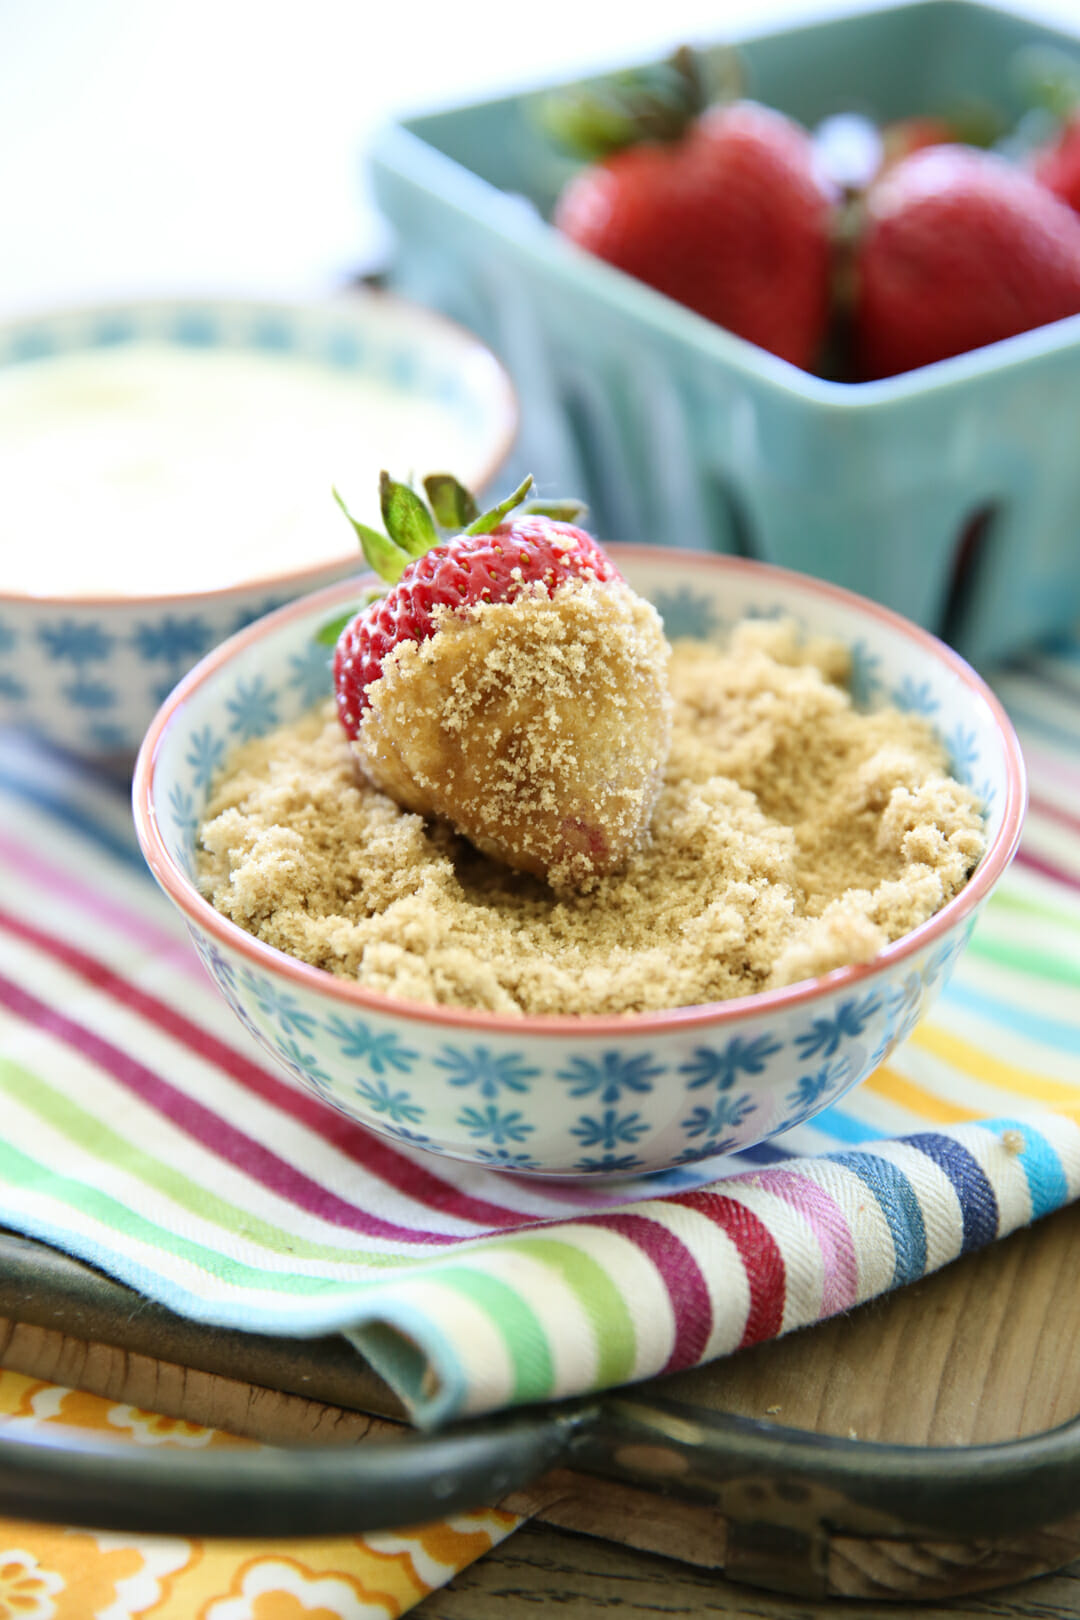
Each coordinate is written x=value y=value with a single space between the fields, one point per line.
x=88 y=673
x=572 y=1096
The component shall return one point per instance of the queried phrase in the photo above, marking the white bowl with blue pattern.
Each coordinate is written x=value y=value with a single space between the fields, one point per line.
x=577 y=1095
x=87 y=671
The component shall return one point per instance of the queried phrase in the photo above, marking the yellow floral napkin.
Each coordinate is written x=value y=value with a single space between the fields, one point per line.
x=49 y=1572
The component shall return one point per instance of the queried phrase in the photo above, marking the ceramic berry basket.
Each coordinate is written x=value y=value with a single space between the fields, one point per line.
x=582 y=1095
x=951 y=494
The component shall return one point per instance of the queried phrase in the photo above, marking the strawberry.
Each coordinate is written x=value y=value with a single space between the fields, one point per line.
x=1047 y=138
x=906 y=135
x=960 y=248
x=724 y=210
x=1057 y=164
x=509 y=682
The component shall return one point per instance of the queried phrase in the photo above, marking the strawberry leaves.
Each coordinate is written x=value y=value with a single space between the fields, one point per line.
x=451 y=502
x=408 y=521
x=656 y=102
x=388 y=560
x=412 y=529
x=491 y=520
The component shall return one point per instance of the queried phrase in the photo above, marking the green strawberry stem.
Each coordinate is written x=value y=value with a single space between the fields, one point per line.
x=408 y=521
x=491 y=520
x=452 y=504
x=568 y=511
x=413 y=529
x=380 y=553
x=657 y=102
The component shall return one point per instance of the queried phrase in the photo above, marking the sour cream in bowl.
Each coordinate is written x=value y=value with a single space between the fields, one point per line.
x=168 y=471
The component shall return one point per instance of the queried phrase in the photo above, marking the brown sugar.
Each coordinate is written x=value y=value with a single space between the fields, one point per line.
x=792 y=834
x=539 y=728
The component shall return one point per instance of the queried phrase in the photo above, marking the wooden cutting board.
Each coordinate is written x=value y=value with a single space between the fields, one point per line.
x=986 y=1351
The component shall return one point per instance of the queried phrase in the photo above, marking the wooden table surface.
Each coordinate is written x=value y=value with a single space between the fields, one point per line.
x=543 y=1571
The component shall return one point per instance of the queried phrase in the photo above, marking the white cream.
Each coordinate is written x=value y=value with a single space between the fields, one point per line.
x=150 y=469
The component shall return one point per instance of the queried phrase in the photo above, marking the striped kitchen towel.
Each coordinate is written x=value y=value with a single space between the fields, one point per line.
x=141 y=1129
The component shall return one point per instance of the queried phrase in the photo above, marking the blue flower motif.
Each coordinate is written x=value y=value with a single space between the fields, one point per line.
x=171 y=641
x=75 y=641
x=112 y=332
x=248 y=615
x=809 y=1087
x=311 y=673
x=90 y=695
x=914 y=697
x=724 y=1113
x=610 y=1130
x=483 y=1069
x=500 y=1128
x=253 y=709
x=11 y=688
x=710 y=1067
x=944 y=957
x=611 y=1076
x=32 y=344
x=864 y=682
x=825 y=1034
x=881 y=1050
x=219 y=966
x=343 y=348
x=280 y=1005
x=205 y=755
x=379 y=1052
x=8 y=637
x=396 y=1105
x=504 y=1159
x=612 y=1163
x=196 y=329
x=963 y=753
x=303 y=1064
x=705 y=1150
x=447 y=390
x=985 y=795
x=182 y=810
x=274 y=336
x=232 y=1000
x=905 y=1005
x=401 y=369
x=686 y=613
x=109 y=738
x=415 y=1138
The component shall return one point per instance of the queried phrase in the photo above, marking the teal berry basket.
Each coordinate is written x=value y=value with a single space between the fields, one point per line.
x=950 y=494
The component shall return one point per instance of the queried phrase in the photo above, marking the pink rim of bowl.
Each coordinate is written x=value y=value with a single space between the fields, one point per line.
x=202 y=914
x=294 y=579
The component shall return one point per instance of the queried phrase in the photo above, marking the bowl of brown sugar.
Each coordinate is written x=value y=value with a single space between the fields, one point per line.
x=840 y=794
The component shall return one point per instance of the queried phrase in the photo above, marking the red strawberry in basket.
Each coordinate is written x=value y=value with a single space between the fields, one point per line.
x=1057 y=165
x=509 y=682
x=959 y=249
x=724 y=210
x=1048 y=81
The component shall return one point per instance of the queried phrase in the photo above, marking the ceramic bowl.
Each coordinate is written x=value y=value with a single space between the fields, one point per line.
x=949 y=494
x=579 y=1095
x=87 y=670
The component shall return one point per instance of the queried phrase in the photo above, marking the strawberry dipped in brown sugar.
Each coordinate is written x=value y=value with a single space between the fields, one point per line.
x=508 y=682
